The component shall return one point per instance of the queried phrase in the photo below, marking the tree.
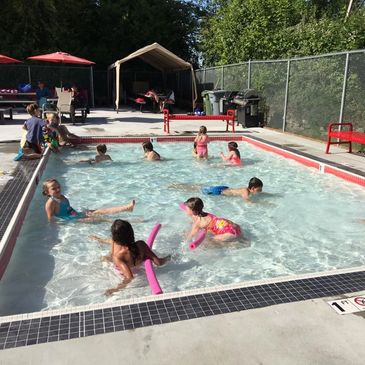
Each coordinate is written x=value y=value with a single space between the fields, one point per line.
x=274 y=29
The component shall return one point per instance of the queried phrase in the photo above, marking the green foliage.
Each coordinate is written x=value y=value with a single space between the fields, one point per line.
x=274 y=29
x=102 y=31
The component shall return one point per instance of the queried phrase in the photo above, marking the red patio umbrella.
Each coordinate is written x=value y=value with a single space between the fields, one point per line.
x=6 y=59
x=61 y=57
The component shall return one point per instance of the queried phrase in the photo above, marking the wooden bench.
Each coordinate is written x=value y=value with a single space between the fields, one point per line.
x=343 y=136
x=7 y=111
x=229 y=119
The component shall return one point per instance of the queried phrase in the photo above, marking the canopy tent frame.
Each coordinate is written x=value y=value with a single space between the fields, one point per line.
x=161 y=59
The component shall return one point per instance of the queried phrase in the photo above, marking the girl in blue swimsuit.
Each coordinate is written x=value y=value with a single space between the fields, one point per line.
x=58 y=205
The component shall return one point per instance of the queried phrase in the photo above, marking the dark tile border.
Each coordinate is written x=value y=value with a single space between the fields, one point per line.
x=127 y=317
x=14 y=190
x=120 y=318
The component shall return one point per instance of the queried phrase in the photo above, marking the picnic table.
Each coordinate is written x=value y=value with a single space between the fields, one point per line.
x=17 y=98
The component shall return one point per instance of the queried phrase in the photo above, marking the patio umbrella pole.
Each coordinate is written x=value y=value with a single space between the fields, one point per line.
x=29 y=76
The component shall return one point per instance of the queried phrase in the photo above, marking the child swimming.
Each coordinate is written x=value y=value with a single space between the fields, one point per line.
x=234 y=156
x=202 y=141
x=101 y=153
x=222 y=229
x=255 y=186
x=127 y=253
x=149 y=153
x=58 y=205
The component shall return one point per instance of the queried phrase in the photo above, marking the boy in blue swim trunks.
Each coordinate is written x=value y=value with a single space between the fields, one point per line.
x=255 y=186
x=58 y=205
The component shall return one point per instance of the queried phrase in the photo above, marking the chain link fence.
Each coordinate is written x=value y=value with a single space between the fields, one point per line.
x=299 y=95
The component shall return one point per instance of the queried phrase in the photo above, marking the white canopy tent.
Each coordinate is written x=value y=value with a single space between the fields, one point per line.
x=161 y=59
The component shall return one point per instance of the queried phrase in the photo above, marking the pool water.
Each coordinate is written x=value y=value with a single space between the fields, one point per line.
x=310 y=222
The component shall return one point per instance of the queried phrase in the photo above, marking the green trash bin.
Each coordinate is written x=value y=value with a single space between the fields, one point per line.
x=207 y=105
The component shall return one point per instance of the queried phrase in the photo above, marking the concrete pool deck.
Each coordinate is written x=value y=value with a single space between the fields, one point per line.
x=305 y=332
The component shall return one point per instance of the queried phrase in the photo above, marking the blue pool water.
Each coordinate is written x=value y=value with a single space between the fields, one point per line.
x=309 y=223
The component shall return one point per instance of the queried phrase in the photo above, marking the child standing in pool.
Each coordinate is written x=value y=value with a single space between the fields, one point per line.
x=126 y=252
x=149 y=153
x=234 y=156
x=221 y=228
x=58 y=205
x=202 y=141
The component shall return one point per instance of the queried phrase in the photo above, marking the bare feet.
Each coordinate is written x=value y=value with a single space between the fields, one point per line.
x=130 y=206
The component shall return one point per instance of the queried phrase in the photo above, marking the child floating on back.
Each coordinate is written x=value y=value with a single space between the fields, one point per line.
x=149 y=153
x=234 y=156
x=222 y=229
x=126 y=252
x=58 y=205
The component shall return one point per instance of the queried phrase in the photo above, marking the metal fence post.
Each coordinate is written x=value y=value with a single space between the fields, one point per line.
x=286 y=94
x=249 y=75
x=92 y=86
x=29 y=75
x=344 y=85
x=222 y=81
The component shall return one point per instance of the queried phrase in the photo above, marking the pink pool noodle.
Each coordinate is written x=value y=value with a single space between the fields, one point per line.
x=150 y=272
x=198 y=240
x=201 y=234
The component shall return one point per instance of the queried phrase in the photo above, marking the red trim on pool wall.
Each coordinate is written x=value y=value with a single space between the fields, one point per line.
x=265 y=146
x=344 y=175
x=303 y=160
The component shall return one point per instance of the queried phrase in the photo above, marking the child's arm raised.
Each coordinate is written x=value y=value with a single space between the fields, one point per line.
x=226 y=158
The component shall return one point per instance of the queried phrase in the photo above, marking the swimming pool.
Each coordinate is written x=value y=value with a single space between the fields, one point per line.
x=292 y=231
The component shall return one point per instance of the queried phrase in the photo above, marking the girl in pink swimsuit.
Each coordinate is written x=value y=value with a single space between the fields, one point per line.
x=222 y=229
x=234 y=156
x=202 y=141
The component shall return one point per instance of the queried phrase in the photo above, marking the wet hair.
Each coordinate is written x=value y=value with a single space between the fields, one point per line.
x=123 y=235
x=233 y=146
x=196 y=205
x=122 y=232
x=255 y=183
x=47 y=183
x=203 y=129
x=147 y=146
x=32 y=108
x=101 y=148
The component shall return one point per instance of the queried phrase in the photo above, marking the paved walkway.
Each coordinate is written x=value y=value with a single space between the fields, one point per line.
x=307 y=332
